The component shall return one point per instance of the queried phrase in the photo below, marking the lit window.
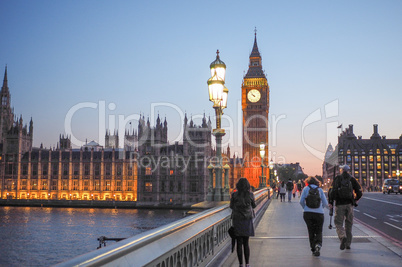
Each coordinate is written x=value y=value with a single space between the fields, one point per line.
x=129 y=186
x=171 y=172
x=107 y=185
x=75 y=185
x=148 y=171
x=86 y=184
x=148 y=187
x=118 y=185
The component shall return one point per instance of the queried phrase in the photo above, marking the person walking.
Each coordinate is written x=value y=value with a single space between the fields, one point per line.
x=346 y=192
x=282 y=190
x=313 y=201
x=294 y=189
x=278 y=190
x=299 y=187
x=289 y=188
x=242 y=203
x=273 y=189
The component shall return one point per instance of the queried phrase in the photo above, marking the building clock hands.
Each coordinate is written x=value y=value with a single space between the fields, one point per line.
x=254 y=95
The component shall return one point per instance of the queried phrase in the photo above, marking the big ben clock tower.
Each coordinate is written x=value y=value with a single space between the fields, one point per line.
x=255 y=106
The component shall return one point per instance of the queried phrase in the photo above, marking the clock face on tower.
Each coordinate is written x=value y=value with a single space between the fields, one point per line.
x=253 y=95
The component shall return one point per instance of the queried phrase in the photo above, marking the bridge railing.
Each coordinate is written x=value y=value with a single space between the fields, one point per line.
x=195 y=240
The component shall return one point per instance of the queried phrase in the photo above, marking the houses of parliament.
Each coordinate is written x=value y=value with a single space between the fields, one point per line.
x=148 y=169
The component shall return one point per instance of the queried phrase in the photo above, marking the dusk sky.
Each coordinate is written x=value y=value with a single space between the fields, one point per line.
x=327 y=63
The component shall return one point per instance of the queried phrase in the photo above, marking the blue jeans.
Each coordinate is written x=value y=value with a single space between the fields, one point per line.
x=289 y=195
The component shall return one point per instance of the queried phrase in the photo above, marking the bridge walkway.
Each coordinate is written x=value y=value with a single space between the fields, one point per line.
x=282 y=240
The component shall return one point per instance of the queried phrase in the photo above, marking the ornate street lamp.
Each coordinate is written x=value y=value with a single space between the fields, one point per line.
x=262 y=154
x=218 y=95
x=271 y=166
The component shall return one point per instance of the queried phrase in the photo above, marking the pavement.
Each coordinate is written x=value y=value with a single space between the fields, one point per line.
x=281 y=239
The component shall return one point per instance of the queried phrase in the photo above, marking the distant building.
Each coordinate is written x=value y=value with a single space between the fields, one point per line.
x=147 y=169
x=173 y=173
x=15 y=137
x=371 y=160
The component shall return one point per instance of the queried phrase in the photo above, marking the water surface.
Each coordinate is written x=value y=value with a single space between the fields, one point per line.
x=33 y=236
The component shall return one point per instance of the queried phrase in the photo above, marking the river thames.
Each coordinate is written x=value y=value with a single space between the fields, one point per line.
x=34 y=236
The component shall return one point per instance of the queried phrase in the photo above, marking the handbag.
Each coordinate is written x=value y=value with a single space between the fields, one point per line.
x=231 y=232
x=232 y=235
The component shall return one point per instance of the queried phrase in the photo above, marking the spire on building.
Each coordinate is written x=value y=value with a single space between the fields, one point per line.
x=158 y=122
x=204 y=122
x=5 y=81
x=255 y=52
x=185 y=120
x=255 y=65
x=5 y=93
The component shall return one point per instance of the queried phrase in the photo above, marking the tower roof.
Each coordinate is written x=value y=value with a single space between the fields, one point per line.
x=255 y=52
x=5 y=81
x=255 y=66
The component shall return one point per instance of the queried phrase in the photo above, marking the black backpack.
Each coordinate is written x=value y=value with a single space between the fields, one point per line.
x=289 y=186
x=313 y=199
x=345 y=188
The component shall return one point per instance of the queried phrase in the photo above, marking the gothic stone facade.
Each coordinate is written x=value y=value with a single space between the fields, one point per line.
x=371 y=160
x=173 y=174
x=147 y=169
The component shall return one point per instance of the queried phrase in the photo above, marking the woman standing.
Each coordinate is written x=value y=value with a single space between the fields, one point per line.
x=242 y=204
x=313 y=204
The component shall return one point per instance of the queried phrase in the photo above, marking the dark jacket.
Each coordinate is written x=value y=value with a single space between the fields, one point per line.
x=333 y=196
x=242 y=208
x=289 y=186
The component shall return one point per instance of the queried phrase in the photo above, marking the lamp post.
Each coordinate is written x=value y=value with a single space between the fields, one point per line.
x=218 y=95
x=271 y=166
x=371 y=182
x=263 y=183
x=398 y=173
x=276 y=176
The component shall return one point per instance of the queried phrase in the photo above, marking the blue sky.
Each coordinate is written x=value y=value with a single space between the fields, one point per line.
x=152 y=57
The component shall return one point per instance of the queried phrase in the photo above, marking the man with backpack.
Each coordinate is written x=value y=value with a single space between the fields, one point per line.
x=289 y=188
x=345 y=191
